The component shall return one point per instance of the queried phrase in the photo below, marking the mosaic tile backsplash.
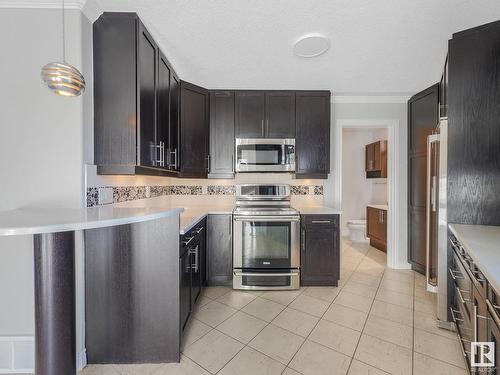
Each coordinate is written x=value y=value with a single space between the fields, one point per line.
x=130 y=193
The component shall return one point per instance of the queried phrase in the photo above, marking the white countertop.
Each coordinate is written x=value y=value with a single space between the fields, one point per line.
x=483 y=245
x=44 y=220
x=317 y=210
x=379 y=206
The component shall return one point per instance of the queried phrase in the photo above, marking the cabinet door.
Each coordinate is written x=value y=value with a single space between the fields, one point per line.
x=196 y=280
x=219 y=250
x=173 y=153
x=222 y=134
x=312 y=134
x=377 y=165
x=422 y=120
x=250 y=114
x=372 y=219
x=369 y=157
x=147 y=56
x=280 y=114
x=320 y=259
x=163 y=119
x=185 y=287
x=194 y=131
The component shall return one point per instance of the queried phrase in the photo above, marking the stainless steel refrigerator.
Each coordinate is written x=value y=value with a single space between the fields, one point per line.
x=437 y=223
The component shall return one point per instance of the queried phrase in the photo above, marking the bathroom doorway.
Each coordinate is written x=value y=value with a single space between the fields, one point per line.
x=393 y=218
x=364 y=185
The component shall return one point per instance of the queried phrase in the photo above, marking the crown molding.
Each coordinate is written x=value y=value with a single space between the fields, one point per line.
x=46 y=4
x=377 y=99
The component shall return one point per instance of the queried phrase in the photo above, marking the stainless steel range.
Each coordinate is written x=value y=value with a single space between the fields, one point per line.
x=266 y=249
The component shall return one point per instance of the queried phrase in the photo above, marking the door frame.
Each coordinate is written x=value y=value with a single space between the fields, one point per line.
x=396 y=253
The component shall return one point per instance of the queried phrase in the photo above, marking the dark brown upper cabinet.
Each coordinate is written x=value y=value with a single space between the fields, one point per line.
x=132 y=98
x=423 y=117
x=280 y=114
x=222 y=134
x=194 y=157
x=376 y=160
x=265 y=114
x=250 y=114
x=312 y=139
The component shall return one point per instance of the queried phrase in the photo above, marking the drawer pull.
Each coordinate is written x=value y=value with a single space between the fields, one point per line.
x=478 y=276
x=321 y=221
x=187 y=241
x=455 y=319
x=462 y=299
x=453 y=276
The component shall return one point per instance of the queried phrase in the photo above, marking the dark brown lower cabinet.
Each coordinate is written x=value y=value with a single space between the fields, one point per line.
x=320 y=250
x=376 y=227
x=191 y=269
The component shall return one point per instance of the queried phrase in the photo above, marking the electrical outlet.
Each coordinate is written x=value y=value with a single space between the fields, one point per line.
x=105 y=195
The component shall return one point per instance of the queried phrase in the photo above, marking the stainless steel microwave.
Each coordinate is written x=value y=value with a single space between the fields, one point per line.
x=265 y=155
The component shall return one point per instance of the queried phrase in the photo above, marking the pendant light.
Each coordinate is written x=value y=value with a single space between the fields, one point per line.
x=62 y=78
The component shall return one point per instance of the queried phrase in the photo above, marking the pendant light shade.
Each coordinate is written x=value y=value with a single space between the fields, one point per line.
x=62 y=78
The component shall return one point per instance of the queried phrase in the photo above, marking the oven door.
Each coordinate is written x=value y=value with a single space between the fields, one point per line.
x=265 y=155
x=266 y=242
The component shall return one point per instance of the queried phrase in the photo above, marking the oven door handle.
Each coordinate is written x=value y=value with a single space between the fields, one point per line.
x=265 y=274
x=267 y=218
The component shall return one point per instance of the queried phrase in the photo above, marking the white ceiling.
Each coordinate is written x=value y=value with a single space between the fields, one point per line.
x=377 y=46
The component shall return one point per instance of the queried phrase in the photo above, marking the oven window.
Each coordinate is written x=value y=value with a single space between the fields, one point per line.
x=260 y=154
x=266 y=244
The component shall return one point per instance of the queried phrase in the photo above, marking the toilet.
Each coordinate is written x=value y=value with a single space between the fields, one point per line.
x=357 y=230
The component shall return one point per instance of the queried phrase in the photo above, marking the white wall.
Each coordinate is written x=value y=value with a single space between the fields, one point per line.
x=376 y=111
x=357 y=190
x=41 y=147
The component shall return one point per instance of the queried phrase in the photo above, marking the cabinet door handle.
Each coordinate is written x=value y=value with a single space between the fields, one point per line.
x=208 y=163
x=174 y=165
x=232 y=163
x=195 y=252
x=267 y=127
x=262 y=126
x=462 y=299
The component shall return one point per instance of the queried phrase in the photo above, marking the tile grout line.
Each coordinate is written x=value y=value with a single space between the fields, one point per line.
x=331 y=303
x=367 y=317
x=268 y=323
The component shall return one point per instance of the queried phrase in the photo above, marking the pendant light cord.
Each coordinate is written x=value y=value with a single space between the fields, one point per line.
x=63 y=38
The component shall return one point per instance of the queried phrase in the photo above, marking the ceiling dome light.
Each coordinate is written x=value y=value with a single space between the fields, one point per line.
x=62 y=78
x=311 y=45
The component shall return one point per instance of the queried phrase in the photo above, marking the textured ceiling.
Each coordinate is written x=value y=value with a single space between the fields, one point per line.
x=377 y=46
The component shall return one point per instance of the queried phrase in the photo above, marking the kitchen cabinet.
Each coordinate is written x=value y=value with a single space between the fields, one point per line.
x=280 y=114
x=320 y=250
x=173 y=155
x=376 y=227
x=312 y=139
x=220 y=250
x=191 y=266
x=250 y=113
x=194 y=131
x=376 y=159
x=222 y=134
x=131 y=91
x=423 y=113
x=265 y=114
x=473 y=126
x=185 y=286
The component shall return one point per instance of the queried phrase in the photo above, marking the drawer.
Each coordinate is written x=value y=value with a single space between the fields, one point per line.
x=331 y=220
x=462 y=286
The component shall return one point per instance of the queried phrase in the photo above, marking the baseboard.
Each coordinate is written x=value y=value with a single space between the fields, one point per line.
x=17 y=355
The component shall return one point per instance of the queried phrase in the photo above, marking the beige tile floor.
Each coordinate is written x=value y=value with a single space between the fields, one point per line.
x=378 y=321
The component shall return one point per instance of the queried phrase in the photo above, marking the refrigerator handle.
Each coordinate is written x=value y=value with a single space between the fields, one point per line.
x=431 y=190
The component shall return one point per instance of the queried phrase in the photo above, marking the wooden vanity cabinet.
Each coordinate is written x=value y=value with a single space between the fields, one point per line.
x=377 y=227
